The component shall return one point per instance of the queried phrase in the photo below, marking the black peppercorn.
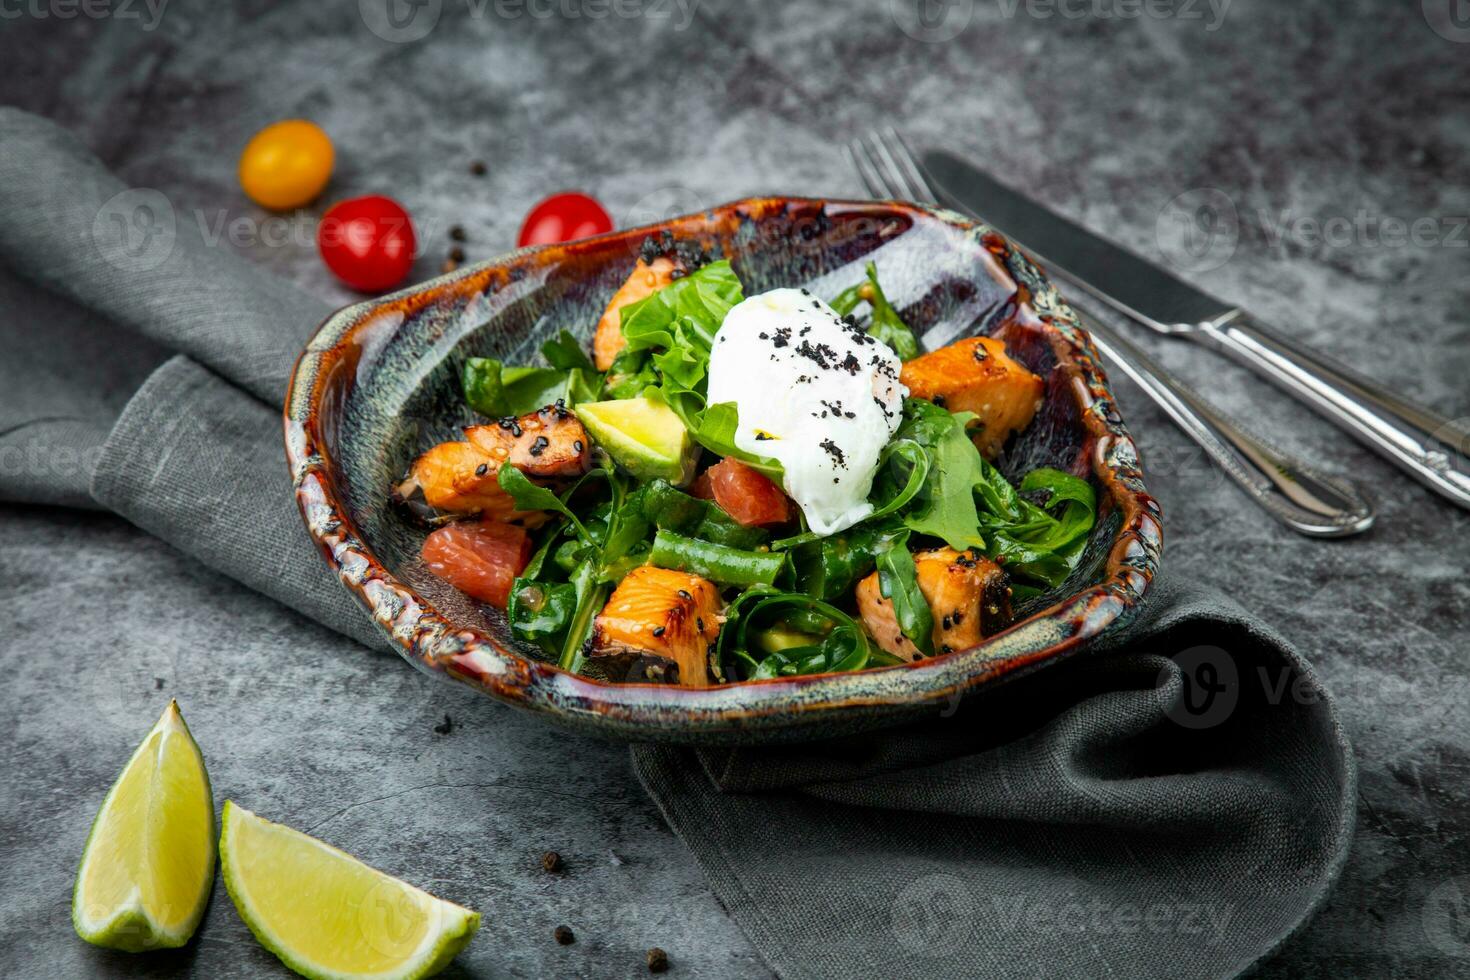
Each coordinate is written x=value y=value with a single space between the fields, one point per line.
x=658 y=960
x=551 y=861
x=564 y=935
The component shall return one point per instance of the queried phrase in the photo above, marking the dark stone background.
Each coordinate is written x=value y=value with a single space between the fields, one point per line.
x=1317 y=111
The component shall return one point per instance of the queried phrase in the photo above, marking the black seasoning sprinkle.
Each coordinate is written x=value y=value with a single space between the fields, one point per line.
x=577 y=445
x=946 y=648
x=835 y=451
x=684 y=594
x=510 y=424
x=958 y=617
x=539 y=445
x=658 y=631
x=658 y=960
x=817 y=354
x=939 y=400
x=851 y=364
x=699 y=623
x=551 y=861
x=564 y=935
x=446 y=726
x=946 y=622
x=480 y=470
x=980 y=352
x=782 y=337
x=763 y=437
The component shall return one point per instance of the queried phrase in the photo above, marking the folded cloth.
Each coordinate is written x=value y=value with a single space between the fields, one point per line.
x=1175 y=801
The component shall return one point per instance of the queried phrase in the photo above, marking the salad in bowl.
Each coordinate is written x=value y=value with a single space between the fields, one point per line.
x=733 y=485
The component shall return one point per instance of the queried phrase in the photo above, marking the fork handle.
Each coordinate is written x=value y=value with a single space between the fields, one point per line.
x=1428 y=446
x=1305 y=500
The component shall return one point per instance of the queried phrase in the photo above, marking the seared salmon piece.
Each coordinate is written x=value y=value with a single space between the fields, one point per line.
x=659 y=625
x=966 y=593
x=456 y=478
x=463 y=478
x=646 y=279
x=548 y=444
x=977 y=375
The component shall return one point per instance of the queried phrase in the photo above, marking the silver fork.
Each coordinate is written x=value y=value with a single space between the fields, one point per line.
x=1294 y=492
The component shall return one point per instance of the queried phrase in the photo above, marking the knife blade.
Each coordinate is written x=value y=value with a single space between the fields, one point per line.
x=1430 y=447
x=1134 y=286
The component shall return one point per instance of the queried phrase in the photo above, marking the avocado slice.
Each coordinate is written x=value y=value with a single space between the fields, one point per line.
x=643 y=436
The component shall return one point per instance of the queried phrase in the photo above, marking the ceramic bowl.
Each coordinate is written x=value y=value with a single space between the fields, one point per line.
x=379 y=383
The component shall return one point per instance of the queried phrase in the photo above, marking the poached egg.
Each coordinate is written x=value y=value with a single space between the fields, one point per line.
x=813 y=392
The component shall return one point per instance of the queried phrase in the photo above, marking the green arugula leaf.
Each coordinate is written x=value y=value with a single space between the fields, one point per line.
x=630 y=374
x=886 y=324
x=714 y=429
x=898 y=580
x=565 y=351
x=540 y=611
x=493 y=389
x=945 y=506
x=529 y=496
x=844 y=644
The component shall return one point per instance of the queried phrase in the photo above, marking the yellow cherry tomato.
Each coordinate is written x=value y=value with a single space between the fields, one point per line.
x=286 y=165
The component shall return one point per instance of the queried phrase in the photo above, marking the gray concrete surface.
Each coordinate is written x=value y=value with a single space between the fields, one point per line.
x=1310 y=118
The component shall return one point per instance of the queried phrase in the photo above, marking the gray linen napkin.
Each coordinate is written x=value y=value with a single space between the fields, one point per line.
x=1175 y=802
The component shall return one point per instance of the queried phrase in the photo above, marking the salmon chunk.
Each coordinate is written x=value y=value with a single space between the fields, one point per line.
x=977 y=375
x=463 y=478
x=547 y=444
x=966 y=593
x=646 y=279
x=456 y=478
x=659 y=625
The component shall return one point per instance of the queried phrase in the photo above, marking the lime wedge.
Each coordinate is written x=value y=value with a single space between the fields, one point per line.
x=328 y=915
x=149 y=862
x=644 y=436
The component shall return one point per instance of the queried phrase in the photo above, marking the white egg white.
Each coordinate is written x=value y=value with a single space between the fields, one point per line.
x=814 y=393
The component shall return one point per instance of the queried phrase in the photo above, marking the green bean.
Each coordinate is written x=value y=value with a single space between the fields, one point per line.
x=716 y=562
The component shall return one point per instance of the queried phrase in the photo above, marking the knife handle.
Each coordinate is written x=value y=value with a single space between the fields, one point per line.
x=1425 y=444
x=1305 y=500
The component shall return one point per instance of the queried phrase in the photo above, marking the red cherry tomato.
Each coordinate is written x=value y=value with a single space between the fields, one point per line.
x=367 y=242
x=564 y=218
x=746 y=494
x=479 y=559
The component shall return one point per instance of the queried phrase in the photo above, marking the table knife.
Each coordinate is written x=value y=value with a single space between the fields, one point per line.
x=1427 y=445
